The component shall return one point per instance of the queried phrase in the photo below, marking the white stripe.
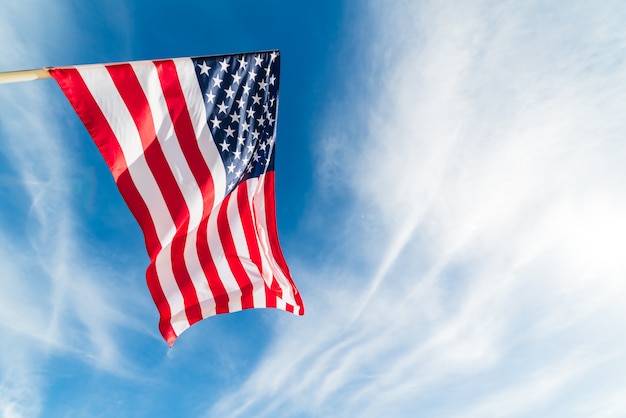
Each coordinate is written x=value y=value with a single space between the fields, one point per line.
x=176 y=161
x=114 y=109
x=281 y=304
x=241 y=245
x=211 y=155
x=224 y=273
x=266 y=269
x=258 y=203
x=197 y=111
x=104 y=92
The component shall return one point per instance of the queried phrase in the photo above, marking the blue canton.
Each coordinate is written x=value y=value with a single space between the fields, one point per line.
x=241 y=97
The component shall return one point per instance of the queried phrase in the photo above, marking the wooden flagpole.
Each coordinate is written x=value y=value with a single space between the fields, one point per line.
x=24 y=75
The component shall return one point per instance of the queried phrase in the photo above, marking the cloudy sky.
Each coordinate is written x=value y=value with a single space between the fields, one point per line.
x=451 y=191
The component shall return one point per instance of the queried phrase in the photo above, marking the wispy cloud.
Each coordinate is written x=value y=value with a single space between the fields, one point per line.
x=492 y=162
x=53 y=302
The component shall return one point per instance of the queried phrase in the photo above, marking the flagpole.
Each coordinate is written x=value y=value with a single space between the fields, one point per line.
x=24 y=75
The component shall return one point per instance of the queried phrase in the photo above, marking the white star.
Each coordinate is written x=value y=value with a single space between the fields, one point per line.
x=241 y=140
x=224 y=145
x=263 y=146
x=238 y=173
x=250 y=112
x=242 y=63
x=268 y=69
x=217 y=81
x=204 y=69
x=229 y=131
x=231 y=185
x=231 y=168
x=229 y=92
x=250 y=148
x=271 y=140
x=257 y=61
x=236 y=78
x=255 y=135
x=245 y=160
x=270 y=120
x=241 y=103
x=272 y=80
x=252 y=75
x=209 y=97
x=215 y=122
x=224 y=64
x=244 y=126
x=237 y=155
x=255 y=157
x=265 y=107
x=246 y=89
x=249 y=169
x=223 y=107
x=256 y=98
x=272 y=101
x=261 y=121
x=234 y=117
x=262 y=84
x=273 y=56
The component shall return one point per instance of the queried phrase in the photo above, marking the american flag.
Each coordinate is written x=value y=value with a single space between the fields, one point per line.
x=190 y=143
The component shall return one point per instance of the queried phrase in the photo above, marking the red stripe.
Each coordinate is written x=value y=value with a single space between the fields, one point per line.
x=276 y=288
x=270 y=218
x=160 y=300
x=249 y=229
x=96 y=123
x=272 y=232
x=133 y=96
x=79 y=96
x=270 y=297
x=232 y=257
x=212 y=276
x=183 y=126
x=299 y=301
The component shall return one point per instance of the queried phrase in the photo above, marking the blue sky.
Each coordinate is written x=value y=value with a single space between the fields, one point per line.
x=451 y=191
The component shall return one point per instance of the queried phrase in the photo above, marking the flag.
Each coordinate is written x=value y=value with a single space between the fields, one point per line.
x=191 y=144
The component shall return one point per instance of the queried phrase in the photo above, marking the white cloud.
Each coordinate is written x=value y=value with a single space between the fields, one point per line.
x=492 y=161
x=53 y=302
